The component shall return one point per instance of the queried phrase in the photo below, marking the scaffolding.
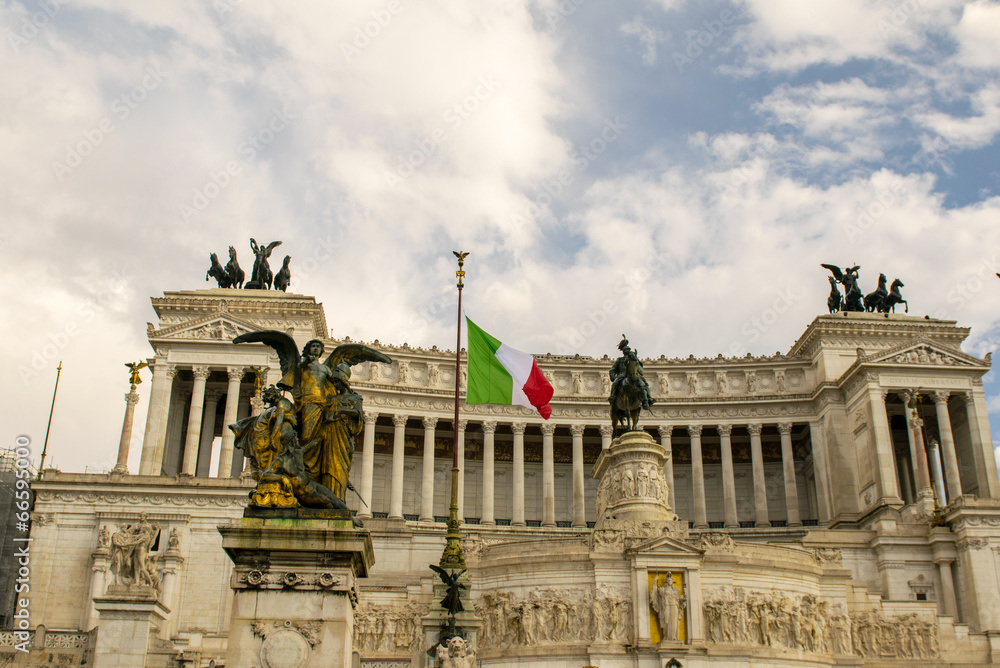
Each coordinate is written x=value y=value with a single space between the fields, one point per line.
x=8 y=531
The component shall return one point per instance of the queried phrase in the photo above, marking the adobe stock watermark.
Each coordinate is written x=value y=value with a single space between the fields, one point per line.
x=875 y=209
x=701 y=38
x=59 y=339
x=363 y=35
x=565 y=9
x=121 y=108
x=897 y=19
x=443 y=303
x=573 y=338
x=22 y=555
x=32 y=25
x=742 y=174
x=965 y=289
x=753 y=328
x=454 y=116
x=582 y=157
x=249 y=149
x=225 y=7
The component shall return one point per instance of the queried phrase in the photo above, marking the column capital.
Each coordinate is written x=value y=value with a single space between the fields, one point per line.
x=968 y=398
x=132 y=398
x=607 y=431
x=548 y=429
x=462 y=424
x=916 y=422
x=400 y=420
x=489 y=426
x=665 y=430
x=213 y=395
x=885 y=395
x=429 y=422
x=694 y=430
x=518 y=427
x=235 y=373
x=170 y=370
x=576 y=429
x=755 y=428
x=940 y=396
x=200 y=372
x=725 y=429
x=370 y=417
x=784 y=428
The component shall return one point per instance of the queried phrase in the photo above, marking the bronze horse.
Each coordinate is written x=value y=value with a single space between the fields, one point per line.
x=627 y=403
x=874 y=300
x=894 y=297
x=835 y=300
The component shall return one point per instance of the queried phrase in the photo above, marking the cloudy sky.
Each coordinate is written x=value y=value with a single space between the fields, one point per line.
x=669 y=169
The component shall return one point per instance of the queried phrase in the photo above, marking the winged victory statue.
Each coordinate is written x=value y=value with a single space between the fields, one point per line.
x=300 y=450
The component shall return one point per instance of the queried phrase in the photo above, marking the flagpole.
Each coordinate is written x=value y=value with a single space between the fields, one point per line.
x=45 y=445
x=452 y=556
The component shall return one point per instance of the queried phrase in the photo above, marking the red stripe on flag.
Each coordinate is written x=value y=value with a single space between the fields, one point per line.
x=539 y=391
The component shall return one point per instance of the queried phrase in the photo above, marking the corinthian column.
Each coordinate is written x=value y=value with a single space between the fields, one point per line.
x=368 y=464
x=698 y=478
x=427 y=480
x=131 y=399
x=665 y=440
x=229 y=417
x=728 y=479
x=788 y=466
x=489 y=475
x=153 y=440
x=396 y=491
x=759 y=484
x=548 y=477
x=607 y=432
x=951 y=474
x=579 y=516
x=518 y=473
x=194 y=421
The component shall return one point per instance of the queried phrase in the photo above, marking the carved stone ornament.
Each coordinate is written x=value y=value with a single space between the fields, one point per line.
x=972 y=544
x=287 y=644
x=716 y=541
x=260 y=578
x=829 y=556
x=389 y=628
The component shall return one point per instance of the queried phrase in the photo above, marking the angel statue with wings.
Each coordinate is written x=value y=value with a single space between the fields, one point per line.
x=301 y=450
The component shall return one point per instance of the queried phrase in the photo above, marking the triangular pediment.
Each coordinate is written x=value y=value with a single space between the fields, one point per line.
x=665 y=545
x=216 y=327
x=924 y=353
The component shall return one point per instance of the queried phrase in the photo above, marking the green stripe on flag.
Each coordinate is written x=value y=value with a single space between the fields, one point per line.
x=489 y=381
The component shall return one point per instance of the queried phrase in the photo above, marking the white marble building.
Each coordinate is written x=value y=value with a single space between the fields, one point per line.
x=804 y=487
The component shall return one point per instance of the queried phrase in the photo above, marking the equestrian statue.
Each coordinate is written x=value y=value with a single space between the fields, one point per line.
x=629 y=390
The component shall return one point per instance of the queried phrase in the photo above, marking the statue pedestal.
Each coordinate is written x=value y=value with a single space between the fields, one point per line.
x=130 y=621
x=294 y=590
x=633 y=482
x=435 y=622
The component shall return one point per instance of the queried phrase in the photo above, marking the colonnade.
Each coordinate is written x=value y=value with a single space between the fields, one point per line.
x=579 y=503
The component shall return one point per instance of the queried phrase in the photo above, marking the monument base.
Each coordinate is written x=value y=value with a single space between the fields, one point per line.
x=634 y=482
x=130 y=621
x=294 y=590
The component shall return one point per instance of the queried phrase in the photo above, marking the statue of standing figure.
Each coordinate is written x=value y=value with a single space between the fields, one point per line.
x=668 y=604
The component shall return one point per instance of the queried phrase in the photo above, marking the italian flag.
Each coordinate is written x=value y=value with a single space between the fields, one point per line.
x=498 y=374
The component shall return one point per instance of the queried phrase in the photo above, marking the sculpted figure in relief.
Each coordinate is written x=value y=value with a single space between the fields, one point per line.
x=130 y=561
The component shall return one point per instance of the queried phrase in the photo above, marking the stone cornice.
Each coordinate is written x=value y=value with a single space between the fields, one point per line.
x=254 y=304
x=878 y=327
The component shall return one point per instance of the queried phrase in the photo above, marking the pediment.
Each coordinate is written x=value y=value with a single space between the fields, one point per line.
x=217 y=327
x=666 y=545
x=926 y=354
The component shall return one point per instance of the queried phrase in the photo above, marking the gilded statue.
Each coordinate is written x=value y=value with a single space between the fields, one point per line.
x=134 y=368
x=300 y=448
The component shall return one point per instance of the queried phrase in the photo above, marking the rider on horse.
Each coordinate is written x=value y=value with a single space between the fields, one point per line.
x=618 y=371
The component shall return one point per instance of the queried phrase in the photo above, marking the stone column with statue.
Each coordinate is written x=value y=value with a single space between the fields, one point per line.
x=298 y=552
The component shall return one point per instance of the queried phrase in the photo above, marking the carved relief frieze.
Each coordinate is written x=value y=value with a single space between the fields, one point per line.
x=389 y=628
x=806 y=623
x=260 y=577
x=549 y=616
